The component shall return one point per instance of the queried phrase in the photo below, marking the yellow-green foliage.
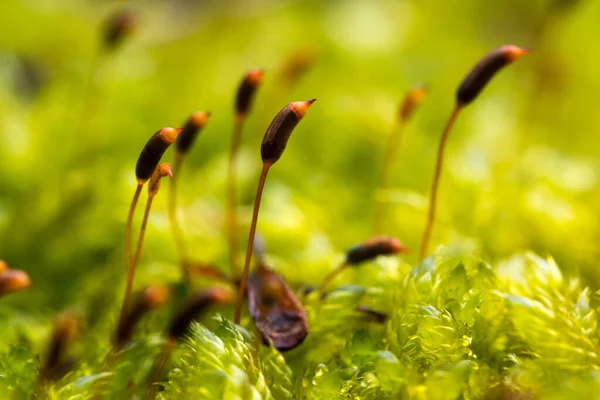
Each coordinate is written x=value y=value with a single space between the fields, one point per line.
x=488 y=316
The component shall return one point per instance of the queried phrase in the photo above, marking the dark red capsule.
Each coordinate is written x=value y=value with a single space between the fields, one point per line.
x=484 y=70
x=246 y=92
x=208 y=271
x=297 y=64
x=190 y=131
x=153 y=151
x=278 y=133
x=276 y=311
x=148 y=299
x=196 y=306
x=373 y=248
x=118 y=27
x=378 y=316
x=66 y=328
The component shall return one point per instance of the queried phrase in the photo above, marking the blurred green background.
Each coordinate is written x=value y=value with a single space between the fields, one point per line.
x=522 y=163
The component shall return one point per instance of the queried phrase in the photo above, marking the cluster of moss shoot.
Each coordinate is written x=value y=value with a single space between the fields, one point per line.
x=276 y=310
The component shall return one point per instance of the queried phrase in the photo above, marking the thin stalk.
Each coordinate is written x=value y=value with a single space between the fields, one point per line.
x=172 y=212
x=389 y=162
x=90 y=94
x=160 y=171
x=140 y=243
x=436 y=181
x=332 y=275
x=243 y=281
x=231 y=206
x=128 y=259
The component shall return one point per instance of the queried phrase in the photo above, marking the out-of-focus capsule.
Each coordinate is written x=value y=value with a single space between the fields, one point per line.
x=247 y=91
x=13 y=280
x=195 y=307
x=484 y=70
x=372 y=248
x=190 y=131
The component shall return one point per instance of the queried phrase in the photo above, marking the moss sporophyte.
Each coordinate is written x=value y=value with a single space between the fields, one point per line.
x=470 y=87
x=273 y=145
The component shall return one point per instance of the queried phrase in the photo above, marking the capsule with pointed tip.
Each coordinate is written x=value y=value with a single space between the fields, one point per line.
x=149 y=298
x=163 y=169
x=484 y=70
x=373 y=248
x=13 y=280
x=278 y=133
x=117 y=27
x=196 y=306
x=246 y=92
x=153 y=151
x=413 y=99
x=190 y=131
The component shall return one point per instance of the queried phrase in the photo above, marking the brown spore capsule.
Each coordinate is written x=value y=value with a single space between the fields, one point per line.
x=153 y=151
x=3 y=266
x=373 y=248
x=190 y=131
x=246 y=92
x=208 y=271
x=66 y=328
x=276 y=311
x=163 y=169
x=413 y=99
x=13 y=280
x=195 y=307
x=280 y=129
x=484 y=70
x=297 y=64
x=151 y=297
x=117 y=27
x=371 y=314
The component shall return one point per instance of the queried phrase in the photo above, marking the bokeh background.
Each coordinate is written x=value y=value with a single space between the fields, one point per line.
x=522 y=163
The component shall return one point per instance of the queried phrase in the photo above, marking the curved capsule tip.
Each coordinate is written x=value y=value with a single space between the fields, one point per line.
x=68 y=325
x=164 y=169
x=514 y=52
x=200 y=118
x=300 y=108
x=156 y=295
x=255 y=76
x=220 y=295
x=168 y=134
